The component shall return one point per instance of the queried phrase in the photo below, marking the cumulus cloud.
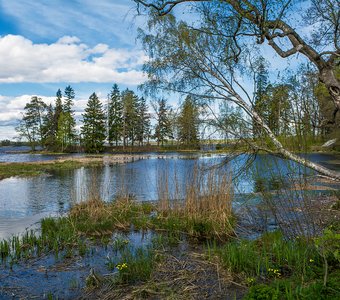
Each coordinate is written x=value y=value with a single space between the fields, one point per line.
x=67 y=60
x=11 y=109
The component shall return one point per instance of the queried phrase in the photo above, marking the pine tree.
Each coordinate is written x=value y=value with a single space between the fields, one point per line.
x=58 y=107
x=188 y=121
x=93 y=129
x=115 y=115
x=31 y=125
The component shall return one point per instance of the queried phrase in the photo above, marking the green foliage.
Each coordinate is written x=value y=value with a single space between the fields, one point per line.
x=261 y=95
x=5 y=143
x=230 y=122
x=31 y=125
x=143 y=126
x=135 y=265
x=188 y=121
x=262 y=292
x=115 y=115
x=130 y=117
x=68 y=133
x=26 y=170
x=275 y=257
x=329 y=244
x=163 y=130
x=49 y=128
x=93 y=129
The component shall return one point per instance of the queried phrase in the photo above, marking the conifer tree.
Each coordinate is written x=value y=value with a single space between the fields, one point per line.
x=163 y=129
x=143 y=124
x=130 y=101
x=188 y=122
x=68 y=119
x=49 y=128
x=31 y=125
x=261 y=95
x=93 y=129
x=115 y=115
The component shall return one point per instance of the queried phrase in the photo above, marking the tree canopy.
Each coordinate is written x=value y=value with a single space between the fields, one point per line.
x=208 y=58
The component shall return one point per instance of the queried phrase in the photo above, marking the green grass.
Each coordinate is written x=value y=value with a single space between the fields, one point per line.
x=276 y=268
x=135 y=265
x=66 y=236
x=272 y=266
x=35 y=169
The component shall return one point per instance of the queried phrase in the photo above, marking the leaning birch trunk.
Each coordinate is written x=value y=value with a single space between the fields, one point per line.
x=281 y=151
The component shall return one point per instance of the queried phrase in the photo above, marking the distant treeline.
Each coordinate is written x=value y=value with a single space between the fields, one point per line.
x=124 y=120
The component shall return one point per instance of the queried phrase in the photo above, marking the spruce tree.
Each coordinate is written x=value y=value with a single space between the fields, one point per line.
x=130 y=101
x=143 y=122
x=115 y=115
x=261 y=95
x=49 y=128
x=163 y=129
x=93 y=129
x=69 y=120
x=188 y=121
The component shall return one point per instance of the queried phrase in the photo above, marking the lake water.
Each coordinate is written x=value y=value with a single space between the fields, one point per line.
x=24 y=201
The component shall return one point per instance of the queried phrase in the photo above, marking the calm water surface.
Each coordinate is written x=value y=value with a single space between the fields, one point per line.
x=24 y=201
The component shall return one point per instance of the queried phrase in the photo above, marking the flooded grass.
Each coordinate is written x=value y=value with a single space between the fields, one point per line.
x=38 y=168
x=173 y=265
x=95 y=240
x=35 y=168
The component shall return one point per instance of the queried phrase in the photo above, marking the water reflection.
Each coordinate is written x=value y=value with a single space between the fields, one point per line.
x=26 y=197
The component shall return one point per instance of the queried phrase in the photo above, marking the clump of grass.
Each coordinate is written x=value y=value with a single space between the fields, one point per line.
x=57 y=235
x=97 y=218
x=135 y=265
x=205 y=211
x=276 y=266
x=269 y=257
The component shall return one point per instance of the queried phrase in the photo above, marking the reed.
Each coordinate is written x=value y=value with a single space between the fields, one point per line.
x=202 y=207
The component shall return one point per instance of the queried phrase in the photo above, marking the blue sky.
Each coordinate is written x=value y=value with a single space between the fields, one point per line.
x=90 y=44
x=48 y=44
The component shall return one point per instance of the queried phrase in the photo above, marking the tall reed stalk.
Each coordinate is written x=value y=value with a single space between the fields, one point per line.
x=204 y=199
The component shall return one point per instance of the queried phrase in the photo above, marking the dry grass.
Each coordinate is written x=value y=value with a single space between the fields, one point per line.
x=207 y=199
x=183 y=276
x=205 y=211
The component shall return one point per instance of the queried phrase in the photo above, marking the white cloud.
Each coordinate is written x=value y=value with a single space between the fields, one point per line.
x=68 y=40
x=11 y=109
x=67 y=60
